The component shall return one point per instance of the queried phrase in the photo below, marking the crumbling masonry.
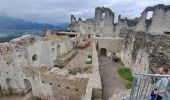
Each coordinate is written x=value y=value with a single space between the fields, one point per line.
x=64 y=65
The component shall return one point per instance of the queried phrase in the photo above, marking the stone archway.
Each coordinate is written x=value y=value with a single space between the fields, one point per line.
x=103 y=51
x=28 y=86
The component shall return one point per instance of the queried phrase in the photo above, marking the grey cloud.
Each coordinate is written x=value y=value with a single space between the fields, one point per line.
x=58 y=11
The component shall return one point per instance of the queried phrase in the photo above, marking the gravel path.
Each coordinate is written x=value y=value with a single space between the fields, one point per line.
x=112 y=83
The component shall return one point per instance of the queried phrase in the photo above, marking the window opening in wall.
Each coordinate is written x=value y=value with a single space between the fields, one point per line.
x=34 y=57
x=77 y=90
x=67 y=88
x=7 y=48
x=31 y=40
x=167 y=33
x=149 y=15
x=103 y=51
x=103 y=15
x=89 y=36
x=7 y=63
x=52 y=50
x=28 y=86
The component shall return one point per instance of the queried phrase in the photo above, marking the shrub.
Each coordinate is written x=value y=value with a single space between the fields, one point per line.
x=36 y=98
x=125 y=73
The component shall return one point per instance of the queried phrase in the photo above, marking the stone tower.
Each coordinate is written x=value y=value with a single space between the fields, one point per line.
x=104 y=19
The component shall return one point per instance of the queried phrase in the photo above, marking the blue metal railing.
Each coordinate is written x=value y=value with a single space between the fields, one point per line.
x=144 y=84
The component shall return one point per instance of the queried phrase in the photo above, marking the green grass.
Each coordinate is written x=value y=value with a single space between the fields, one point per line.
x=36 y=98
x=88 y=62
x=125 y=73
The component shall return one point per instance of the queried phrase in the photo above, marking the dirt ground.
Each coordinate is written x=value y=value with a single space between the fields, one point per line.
x=112 y=83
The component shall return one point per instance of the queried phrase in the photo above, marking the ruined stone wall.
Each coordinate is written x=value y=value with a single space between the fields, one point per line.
x=24 y=52
x=159 y=23
x=107 y=28
x=161 y=20
x=144 y=52
x=94 y=87
x=86 y=27
x=125 y=23
x=112 y=45
x=99 y=26
x=56 y=84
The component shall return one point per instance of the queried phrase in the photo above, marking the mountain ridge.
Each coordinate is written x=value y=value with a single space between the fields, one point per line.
x=11 y=23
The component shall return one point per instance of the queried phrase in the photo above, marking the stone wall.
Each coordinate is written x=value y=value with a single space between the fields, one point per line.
x=28 y=63
x=112 y=45
x=94 y=87
x=100 y=26
x=24 y=52
x=104 y=26
x=159 y=22
x=103 y=22
x=144 y=52
x=55 y=84
x=125 y=23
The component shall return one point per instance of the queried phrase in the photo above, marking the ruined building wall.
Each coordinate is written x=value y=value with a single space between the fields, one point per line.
x=24 y=52
x=99 y=26
x=104 y=27
x=86 y=27
x=56 y=84
x=159 y=23
x=125 y=23
x=161 y=20
x=112 y=45
x=144 y=52
x=20 y=70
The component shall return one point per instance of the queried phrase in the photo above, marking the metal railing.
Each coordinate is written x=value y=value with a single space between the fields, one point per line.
x=144 y=84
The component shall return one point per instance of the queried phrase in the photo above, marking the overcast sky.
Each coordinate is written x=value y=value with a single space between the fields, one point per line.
x=58 y=11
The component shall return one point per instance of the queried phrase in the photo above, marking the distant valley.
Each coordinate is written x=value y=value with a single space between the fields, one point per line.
x=11 y=27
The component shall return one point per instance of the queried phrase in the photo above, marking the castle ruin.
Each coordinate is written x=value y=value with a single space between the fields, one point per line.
x=64 y=64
